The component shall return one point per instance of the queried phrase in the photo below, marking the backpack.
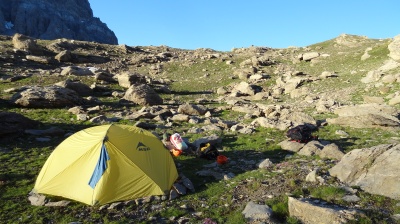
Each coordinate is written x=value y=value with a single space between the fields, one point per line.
x=300 y=133
x=207 y=151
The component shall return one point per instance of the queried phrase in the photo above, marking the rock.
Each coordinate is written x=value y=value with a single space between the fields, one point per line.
x=388 y=65
x=311 y=148
x=394 y=48
x=25 y=43
x=58 y=19
x=309 y=56
x=180 y=117
x=191 y=109
x=342 y=133
x=372 y=76
x=309 y=212
x=374 y=170
x=115 y=205
x=187 y=183
x=292 y=84
x=394 y=101
x=62 y=203
x=351 y=198
x=246 y=88
x=373 y=99
x=297 y=93
x=47 y=97
x=142 y=94
x=180 y=189
x=40 y=59
x=173 y=194
x=127 y=79
x=265 y=164
x=99 y=119
x=82 y=117
x=247 y=109
x=76 y=110
x=81 y=88
x=76 y=71
x=312 y=176
x=221 y=91
x=64 y=56
x=255 y=212
x=298 y=118
x=271 y=123
x=367 y=116
x=366 y=121
x=389 y=79
x=105 y=76
x=291 y=145
x=37 y=199
x=331 y=151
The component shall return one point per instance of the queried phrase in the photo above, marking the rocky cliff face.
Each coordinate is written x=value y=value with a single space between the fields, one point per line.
x=53 y=19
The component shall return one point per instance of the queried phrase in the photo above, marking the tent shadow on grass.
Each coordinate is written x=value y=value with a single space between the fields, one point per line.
x=190 y=165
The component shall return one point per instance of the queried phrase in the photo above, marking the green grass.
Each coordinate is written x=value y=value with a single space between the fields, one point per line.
x=328 y=193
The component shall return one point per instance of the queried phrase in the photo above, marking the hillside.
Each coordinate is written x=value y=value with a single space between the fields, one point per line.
x=346 y=89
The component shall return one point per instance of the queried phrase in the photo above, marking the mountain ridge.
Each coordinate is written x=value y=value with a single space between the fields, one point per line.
x=46 y=19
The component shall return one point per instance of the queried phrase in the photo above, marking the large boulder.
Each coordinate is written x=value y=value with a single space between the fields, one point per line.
x=47 y=97
x=81 y=88
x=254 y=212
x=25 y=43
x=142 y=94
x=126 y=79
x=308 y=211
x=191 y=109
x=394 y=48
x=367 y=116
x=246 y=88
x=374 y=170
x=76 y=71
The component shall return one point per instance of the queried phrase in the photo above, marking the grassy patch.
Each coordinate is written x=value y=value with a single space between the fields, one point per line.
x=328 y=193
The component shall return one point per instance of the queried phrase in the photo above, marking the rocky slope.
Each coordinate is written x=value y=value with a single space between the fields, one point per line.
x=72 y=19
x=243 y=101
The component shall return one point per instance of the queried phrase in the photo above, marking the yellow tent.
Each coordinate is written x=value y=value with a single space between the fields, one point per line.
x=108 y=163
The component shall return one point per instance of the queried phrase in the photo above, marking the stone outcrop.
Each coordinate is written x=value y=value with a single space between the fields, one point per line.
x=367 y=116
x=308 y=211
x=46 y=97
x=79 y=87
x=394 y=48
x=142 y=94
x=374 y=170
x=54 y=19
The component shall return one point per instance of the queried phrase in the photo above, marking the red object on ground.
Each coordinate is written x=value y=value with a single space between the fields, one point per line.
x=176 y=152
x=221 y=159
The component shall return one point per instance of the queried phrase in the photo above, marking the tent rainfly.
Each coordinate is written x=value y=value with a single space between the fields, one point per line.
x=108 y=163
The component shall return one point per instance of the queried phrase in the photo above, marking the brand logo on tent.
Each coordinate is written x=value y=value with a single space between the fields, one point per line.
x=142 y=147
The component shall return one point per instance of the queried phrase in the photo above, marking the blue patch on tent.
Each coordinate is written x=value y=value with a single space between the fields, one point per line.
x=100 y=167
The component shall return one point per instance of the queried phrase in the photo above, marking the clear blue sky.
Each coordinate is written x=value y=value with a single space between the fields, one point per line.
x=226 y=24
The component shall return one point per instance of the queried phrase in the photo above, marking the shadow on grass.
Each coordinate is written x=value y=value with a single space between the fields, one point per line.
x=344 y=143
x=239 y=161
